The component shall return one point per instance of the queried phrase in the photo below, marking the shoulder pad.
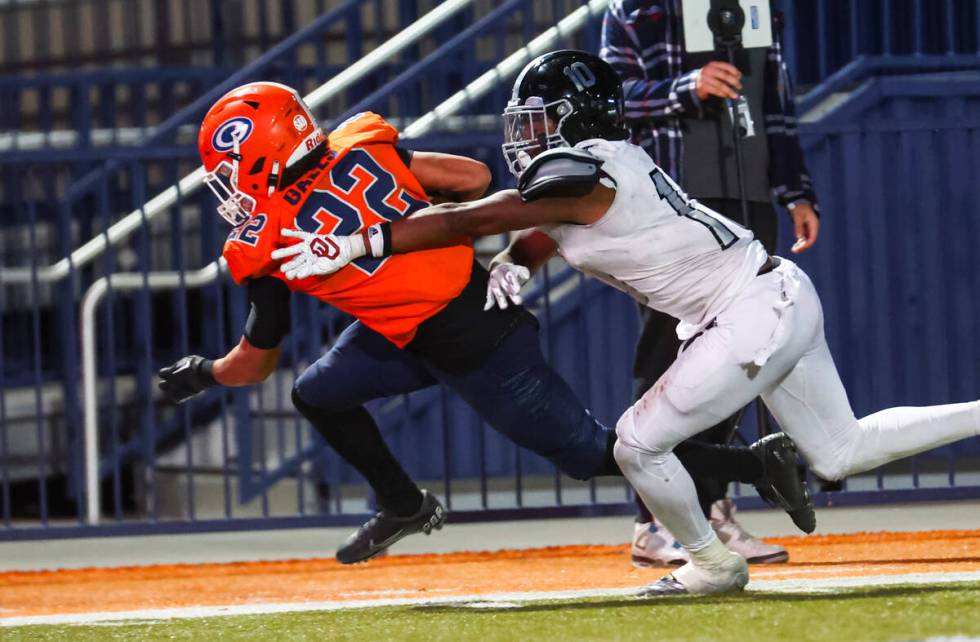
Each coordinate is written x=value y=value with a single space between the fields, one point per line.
x=363 y=128
x=562 y=172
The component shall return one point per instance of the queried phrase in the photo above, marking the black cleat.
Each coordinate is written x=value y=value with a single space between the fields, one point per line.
x=383 y=530
x=780 y=484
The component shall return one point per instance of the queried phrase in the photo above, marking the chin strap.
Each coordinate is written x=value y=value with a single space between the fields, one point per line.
x=273 y=181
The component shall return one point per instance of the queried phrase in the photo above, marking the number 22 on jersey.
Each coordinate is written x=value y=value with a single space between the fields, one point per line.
x=668 y=191
x=361 y=192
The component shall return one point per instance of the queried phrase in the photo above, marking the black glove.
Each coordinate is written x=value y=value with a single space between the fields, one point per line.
x=186 y=378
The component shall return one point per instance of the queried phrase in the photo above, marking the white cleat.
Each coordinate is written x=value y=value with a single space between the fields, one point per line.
x=653 y=545
x=730 y=576
x=738 y=540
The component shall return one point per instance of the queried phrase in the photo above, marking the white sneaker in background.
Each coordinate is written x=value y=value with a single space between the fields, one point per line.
x=738 y=540
x=653 y=545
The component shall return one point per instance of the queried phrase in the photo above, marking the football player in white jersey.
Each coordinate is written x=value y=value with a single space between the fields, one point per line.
x=752 y=323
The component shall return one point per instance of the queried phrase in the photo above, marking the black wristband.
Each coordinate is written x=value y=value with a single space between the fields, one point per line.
x=206 y=369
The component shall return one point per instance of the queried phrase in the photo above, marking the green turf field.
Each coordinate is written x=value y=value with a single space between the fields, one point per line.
x=877 y=613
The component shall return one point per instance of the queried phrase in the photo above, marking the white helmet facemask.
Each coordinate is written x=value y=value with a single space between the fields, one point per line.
x=530 y=130
x=234 y=206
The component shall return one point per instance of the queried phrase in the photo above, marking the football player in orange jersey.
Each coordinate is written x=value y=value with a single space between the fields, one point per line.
x=420 y=316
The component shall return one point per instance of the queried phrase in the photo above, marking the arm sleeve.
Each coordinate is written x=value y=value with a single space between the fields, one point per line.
x=645 y=98
x=788 y=174
x=269 y=315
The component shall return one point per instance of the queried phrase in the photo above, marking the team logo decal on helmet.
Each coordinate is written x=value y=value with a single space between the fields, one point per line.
x=232 y=131
x=299 y=122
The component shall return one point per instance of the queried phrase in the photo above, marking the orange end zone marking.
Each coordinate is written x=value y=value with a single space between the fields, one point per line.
x=547 y=569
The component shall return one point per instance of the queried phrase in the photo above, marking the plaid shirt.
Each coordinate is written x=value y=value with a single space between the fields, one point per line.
x=644 y=42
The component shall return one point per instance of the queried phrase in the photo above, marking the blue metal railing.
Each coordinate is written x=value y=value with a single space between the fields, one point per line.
x=222 y=461
x=184 y=93
x=822 y=36
x=44 y=35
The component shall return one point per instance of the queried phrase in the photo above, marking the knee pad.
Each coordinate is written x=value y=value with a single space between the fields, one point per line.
x=835 y=467
x=652 y=441
x=302 y=394
x=326 y=419
x=586 y=454
x=830 y=470
x=836 y=462
x=624 y=455
x=636 y=462
x=305 y=408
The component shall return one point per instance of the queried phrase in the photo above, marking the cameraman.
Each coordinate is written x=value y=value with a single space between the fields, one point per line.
x=675 y=104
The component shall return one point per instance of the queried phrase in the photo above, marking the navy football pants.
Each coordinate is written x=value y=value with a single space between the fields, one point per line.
x=515 y=391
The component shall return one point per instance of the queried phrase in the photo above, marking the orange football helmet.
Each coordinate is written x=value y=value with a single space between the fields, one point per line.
x=248 y=138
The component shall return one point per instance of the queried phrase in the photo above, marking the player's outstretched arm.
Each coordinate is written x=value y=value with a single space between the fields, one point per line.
x=559 y=186
x=451 y=223
x=448 y=177
x=438 y=226
x=251 y=361
x=244 y=365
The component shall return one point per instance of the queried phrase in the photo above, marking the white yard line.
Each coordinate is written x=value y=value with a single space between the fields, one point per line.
x=486 y=600
x=830 y=584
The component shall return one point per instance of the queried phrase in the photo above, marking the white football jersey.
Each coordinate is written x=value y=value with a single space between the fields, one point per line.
x=666 y=251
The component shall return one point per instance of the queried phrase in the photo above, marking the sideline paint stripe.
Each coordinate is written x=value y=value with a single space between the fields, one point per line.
x=786 y=586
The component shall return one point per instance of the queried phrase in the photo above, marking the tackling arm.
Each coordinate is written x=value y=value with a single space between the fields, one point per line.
x=558 y=186
x=451 y=223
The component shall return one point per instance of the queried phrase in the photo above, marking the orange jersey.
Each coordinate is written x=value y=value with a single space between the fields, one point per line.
x=359 y=181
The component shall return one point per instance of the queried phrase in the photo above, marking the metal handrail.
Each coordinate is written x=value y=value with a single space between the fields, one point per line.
x=506 y=69
x=134 y=281
x=125 y=227
x=90 y=304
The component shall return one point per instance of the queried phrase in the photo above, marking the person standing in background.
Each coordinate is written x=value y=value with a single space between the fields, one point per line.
x=676 y=107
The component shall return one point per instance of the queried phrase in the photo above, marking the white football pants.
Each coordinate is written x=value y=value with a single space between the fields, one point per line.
x=769 y=343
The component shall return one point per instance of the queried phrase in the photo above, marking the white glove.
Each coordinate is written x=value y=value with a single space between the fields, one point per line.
x=506 y=281
x=318 y=254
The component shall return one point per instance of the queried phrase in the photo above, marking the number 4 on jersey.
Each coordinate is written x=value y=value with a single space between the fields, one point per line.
x=668 y=192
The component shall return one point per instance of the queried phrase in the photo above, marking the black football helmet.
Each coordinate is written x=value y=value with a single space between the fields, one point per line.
x=559 y=100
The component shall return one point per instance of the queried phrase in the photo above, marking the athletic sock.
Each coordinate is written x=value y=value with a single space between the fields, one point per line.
x=722 y=463
x=667 y=489
x=355 y=436
x=712 y=554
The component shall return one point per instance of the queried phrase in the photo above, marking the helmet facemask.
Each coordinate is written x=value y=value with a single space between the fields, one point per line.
x=532 y=128
x=234 y=206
